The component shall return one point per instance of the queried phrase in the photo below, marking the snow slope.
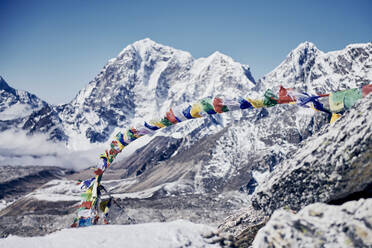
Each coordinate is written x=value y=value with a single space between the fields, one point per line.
x=178 y=233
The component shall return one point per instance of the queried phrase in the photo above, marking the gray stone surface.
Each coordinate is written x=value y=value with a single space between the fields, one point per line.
x=330 y=165
x=319 y=225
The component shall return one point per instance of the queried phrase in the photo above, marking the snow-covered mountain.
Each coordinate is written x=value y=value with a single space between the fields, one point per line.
x=21 y=110
x=249 y=144
x=16 y=104
x=146 y=78
x=315 y=71
x=142 y=82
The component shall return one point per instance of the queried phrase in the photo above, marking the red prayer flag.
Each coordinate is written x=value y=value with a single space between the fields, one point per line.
x=171 y=117
x=98 y=172
x=366 y=89
x=284 y=97
x=218 y=105
x=86 y=204
x=113 y=151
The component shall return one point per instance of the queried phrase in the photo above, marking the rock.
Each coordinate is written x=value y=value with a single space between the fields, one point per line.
x=320 y=225
x=330 y=165
x=243 y=225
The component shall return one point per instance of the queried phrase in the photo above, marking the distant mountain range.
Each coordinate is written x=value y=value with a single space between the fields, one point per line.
x=146 y=78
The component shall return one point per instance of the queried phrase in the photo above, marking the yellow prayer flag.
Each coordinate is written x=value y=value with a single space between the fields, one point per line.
x=157 y=124
x=256 y=103
x=334 y=117
x=195 y=110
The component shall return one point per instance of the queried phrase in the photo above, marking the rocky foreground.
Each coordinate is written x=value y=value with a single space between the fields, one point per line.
x=319 y=225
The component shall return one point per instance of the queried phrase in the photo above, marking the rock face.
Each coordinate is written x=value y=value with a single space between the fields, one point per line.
x=320 y=225
x=46 y=120
x=332 y=166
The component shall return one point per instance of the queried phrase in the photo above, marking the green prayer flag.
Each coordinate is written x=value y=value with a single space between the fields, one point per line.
x=336 y=101
x=166 y=122
x=270 y=98
x=351 y=97
x=207 y=105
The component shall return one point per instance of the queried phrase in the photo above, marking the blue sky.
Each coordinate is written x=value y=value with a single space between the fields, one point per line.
x=54 y=48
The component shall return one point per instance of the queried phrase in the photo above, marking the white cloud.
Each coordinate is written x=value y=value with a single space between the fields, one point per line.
x=16 y=148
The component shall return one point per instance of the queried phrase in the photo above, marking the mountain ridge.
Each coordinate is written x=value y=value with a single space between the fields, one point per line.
x=147 y=78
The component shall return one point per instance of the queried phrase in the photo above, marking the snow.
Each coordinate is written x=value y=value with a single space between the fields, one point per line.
x=4 y=204
x=66 y=190
x=134 y=146
x=16 y=111
x=260 y=176
x=178 y=233
x=147 y=193
x=57 y=190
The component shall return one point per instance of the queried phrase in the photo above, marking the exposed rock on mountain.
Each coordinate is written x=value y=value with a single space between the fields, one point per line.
x=46 y=120
x=320 y=225
x=328 y=166
x=15 y=106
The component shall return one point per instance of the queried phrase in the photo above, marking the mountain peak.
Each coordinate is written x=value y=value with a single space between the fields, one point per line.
x=219 y=55
x=145 y=41
x=145 y=46
x=5 y=86
x=306 y=45
x=307 y=66
x=303 y=50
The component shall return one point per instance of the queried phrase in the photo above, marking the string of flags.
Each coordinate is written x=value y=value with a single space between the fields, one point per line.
x=92 y=203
